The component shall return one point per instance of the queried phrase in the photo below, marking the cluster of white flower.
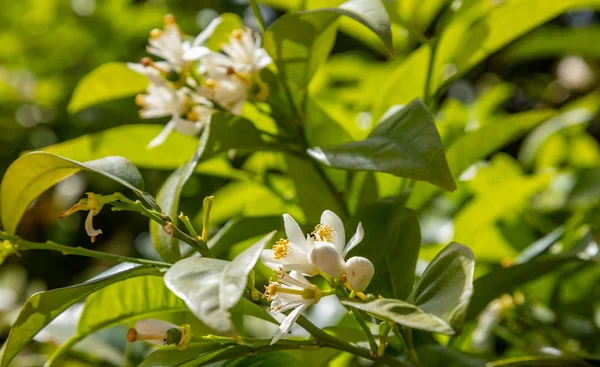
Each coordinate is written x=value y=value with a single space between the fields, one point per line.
x=192 y=81
x=322 y=251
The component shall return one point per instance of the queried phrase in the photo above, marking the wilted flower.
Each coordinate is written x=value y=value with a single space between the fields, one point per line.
x=93 y=204
x=290 y=291
x=160 y=333
x=292 y=253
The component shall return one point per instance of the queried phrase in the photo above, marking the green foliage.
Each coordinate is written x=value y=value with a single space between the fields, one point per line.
x=405 y=143
x=41 y=308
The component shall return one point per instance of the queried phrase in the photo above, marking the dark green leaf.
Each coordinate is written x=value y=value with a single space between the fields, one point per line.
x=402 y=313
x=406 y=143
x=446 y=287
x=33 y=173
x=171 y=356
x=275 y=359
x=392 y=242
x=238 y=229
x=41 y=308
x=440 y=356
x=546 y=361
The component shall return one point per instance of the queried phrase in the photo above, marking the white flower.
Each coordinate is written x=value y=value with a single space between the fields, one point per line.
x=288 y=292
x=242 y=54
x=229 y=91
x=331 y=249
x=163 y=100
x=160 y=333
x=292 y=253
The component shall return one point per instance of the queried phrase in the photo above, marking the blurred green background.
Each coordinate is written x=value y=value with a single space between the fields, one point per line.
x=48 y=46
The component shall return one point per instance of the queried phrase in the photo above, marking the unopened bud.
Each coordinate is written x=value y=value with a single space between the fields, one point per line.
x=359 y=271
x=327 y=258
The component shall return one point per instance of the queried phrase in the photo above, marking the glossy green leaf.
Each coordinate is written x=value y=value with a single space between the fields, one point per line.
x=480 y=37
x=406 y=143
x=41 y=308
x=168 y=199
x=235 y=274
x=33 y=173
x=298 y=55
x=402 y=313
x=138 y=298
x=392 y=242
x=446 y=286
x=107 y=82
x=196 y=281
x=504 y=280
x=432 y=355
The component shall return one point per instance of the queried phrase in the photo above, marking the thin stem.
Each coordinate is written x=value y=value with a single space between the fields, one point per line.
x=258 y=15
x=23 y=245
x=63 y=349
x=407 y=334
x=324 y=339
x=136 y=206
x=188 y=224
x=426 y=93
x=358 y=316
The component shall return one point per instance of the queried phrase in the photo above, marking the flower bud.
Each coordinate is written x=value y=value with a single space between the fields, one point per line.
x=327 y=258
x=359 y=272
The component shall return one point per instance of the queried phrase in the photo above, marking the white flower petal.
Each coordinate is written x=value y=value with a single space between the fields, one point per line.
x=339 y=237
x=89 y=226
x=289 y=321
x=195 y=53
x=294 y=232
x=164 y=134
x=207 y=32
x=187 y=127
x=355 y=240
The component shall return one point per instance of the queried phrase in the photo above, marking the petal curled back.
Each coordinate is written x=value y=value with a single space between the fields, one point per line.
x=294 y=232
x=162 y=136
x=355 y=240
x=89 y=226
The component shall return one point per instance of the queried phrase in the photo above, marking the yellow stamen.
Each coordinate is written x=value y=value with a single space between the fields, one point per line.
x=237 y=34
x=169 y=19
x=324 y=232
x=155 y=33
x=186 y=336
x=281 y=248
x=211 y=83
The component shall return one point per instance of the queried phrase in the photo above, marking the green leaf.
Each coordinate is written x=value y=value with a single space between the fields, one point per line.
x=402 y=313
x=546 y=361
x=107 y=82
x=41 y=308
x=197 y=281
x=168 y=199
x=471 y=38
x=406 y=143
x=33 y=173
x=235 y=274
x=504 y=280
x=313 y=192
x=439 y=356
x=392 y=242
x=298 y=55
x=138 y=298
x=171 y=356
x=478 y=144
x=446 y=286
